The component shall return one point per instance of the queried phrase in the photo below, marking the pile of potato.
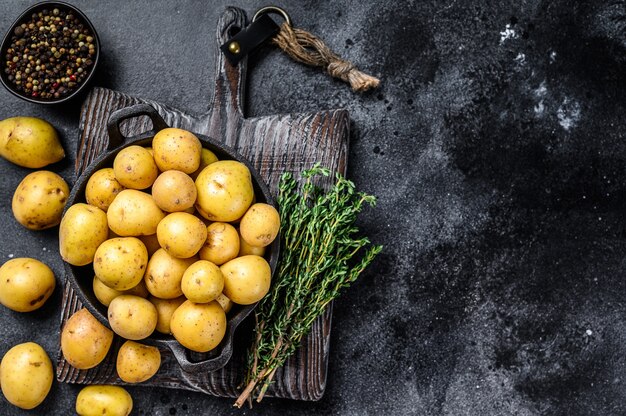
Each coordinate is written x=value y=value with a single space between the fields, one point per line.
x=170 y=254
x=175 y=238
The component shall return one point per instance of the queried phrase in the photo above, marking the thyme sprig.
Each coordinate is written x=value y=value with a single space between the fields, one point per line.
x=321 y=255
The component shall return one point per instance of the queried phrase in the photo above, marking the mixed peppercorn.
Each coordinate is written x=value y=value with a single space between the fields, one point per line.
x=50 y=54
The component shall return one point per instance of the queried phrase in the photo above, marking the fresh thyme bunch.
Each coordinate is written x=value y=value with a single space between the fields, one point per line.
x=320 y=257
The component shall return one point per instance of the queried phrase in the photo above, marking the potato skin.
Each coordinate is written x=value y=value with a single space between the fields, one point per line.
x=181 y=234
x=225 y=191
x=29 y=142
x=206 y=158
x=224 y=302
x=176 y=149
x=85 y=342
x=134 y=213
x=221 y=245
x=25 y=284
x=83 y=228
x=102 y=188
x=246 y=279
x=98 y=400
x=165 y=309
x=199 y=326
x=164 y=274
x=39 y=200
x=202 y=282
x=259 y=225
x=26 y=375
x=105 y=294
x=121 y=262
x=174 y=191
x=136 y=362
x=134 y=168
x=245 y=248
x=132 y=317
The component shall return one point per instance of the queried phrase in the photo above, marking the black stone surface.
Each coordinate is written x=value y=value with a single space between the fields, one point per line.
x=496 y=146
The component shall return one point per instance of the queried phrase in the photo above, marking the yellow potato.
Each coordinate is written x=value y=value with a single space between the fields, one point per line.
x=259 y=225
x=134 y=168
x=224 y=191
x=25 y=284
x=245 y=248
x=98 y=400
x=105 y=294
x=151 y=242
x=165 y=309
x=174 y=191
x=176 y=149
x=132 y=317
x=102 y=188
x=134 y=213
x=26 y=375
x=39 y=200
x=137 y=362
x=121 y=262
x=29 y=142
x=206 y=158
x=83 y=229
x=199 y=326
x=202 y=282
x=246 y=279
x=164 y=274
x=224 y=302
x=221 y=245
x=85 y=342
x=181 y=234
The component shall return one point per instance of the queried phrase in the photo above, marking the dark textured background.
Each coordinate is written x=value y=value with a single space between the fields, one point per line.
x=496 y=147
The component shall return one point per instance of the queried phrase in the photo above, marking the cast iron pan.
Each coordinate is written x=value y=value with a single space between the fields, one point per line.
x=80 y=277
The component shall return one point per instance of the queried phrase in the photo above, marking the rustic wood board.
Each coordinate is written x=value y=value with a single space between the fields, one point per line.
x=274 y=144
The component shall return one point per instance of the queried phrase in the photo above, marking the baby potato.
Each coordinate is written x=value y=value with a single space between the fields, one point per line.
x=132 y=317
x=39 y=200
x=206 y=158
x=134 y=168
x=164 y=274
x=134 y=213
x=25 y=284
x=98 y=400
x=102 y=188
x=202 y=282
x=137 y=362
x=224 y=302
x=181 y=234
x=245 y=248
x=174 y=191
x=259 y=225
x=83 y=228
x=105 y=294
x=26 y=375
x=246 y=279
x=221 y=245
x=29 y=142
x=176 y=149
x=165 y=309
x=121 y=262
x=225 y=191
x=199 y=326
x=85 y=342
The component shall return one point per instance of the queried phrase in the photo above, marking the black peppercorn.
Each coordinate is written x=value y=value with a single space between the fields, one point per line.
x=54 y=50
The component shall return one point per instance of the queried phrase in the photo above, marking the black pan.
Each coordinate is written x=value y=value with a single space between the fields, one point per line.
x=80 y=277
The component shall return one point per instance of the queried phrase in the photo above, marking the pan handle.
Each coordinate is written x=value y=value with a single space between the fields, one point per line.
x=116 y=138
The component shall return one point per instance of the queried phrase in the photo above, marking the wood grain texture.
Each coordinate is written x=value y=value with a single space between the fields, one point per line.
x=274 y=144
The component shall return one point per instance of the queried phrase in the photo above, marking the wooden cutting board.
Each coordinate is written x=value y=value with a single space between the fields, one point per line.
x=274 y=144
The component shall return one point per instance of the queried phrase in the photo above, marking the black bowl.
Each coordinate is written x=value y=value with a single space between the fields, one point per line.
x=81 y=277
x=24 y=17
